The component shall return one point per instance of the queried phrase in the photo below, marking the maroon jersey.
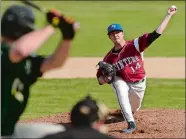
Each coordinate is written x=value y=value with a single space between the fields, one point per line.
x=129 y=61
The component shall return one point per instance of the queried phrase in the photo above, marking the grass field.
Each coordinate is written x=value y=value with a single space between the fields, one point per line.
x=49 y=97
x=136 y=17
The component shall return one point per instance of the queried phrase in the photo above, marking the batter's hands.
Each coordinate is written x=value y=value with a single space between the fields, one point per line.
x=67 y=25
x=172 y=10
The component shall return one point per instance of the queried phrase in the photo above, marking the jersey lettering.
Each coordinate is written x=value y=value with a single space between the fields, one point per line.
x=121 y=64
x=132 y=69
x=17 y=87
x=116 y=65
x=128 y=61
x=124 y=60
x=138 y=65
x=133 y=59
x=28 y=67
x=136 y=58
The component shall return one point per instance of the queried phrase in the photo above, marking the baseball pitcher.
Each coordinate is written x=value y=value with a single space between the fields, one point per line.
x=20 y=68
x=123 y=67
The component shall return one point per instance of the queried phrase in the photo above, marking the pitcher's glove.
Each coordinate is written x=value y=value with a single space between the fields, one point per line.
x=108 y=70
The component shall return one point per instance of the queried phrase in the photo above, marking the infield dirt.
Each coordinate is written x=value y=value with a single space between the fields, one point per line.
x=151 y=123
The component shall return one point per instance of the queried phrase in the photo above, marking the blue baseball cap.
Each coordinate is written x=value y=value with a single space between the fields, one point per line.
x=114 y=27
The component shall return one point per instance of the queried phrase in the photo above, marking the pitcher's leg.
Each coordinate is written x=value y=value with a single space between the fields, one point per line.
x=136 y=100
x=136 y=95
x=121 y=89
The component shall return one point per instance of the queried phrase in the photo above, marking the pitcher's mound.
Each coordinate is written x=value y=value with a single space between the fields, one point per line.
x=151 y=123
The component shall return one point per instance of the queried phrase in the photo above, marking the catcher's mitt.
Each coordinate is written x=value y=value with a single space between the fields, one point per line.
x=108 y=70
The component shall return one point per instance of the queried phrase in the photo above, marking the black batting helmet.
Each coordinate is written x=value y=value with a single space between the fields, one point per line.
x=16 y=21
x=87 y=111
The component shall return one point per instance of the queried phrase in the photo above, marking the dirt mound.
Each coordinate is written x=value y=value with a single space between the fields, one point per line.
x=151 y=123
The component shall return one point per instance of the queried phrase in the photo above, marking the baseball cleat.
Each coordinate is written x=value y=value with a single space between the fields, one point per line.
x=131 y=127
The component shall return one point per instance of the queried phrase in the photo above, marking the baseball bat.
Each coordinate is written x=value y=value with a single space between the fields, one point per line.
x=33 y=5
x=37 y=7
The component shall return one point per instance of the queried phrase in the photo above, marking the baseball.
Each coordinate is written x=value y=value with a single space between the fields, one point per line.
x=173 y=7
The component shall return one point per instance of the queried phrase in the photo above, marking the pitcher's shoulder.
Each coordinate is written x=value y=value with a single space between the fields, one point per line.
x=130 y=43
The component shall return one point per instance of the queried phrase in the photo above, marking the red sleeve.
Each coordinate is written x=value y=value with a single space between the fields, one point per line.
x=141 y=43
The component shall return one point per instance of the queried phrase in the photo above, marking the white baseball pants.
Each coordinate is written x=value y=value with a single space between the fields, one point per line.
x=129 y=96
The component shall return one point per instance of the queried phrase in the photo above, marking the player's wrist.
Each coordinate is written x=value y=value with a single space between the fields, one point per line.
x=104 y=79
x=107 y=79
x=168 y=15
x=66 y=29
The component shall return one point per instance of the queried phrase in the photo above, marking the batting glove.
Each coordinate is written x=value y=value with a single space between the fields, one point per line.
x=67 y=25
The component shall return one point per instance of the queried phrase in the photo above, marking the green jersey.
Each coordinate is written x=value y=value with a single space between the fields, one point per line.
x=16 y=80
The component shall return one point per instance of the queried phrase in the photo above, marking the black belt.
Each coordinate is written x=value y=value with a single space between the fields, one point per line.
x=136 y=82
